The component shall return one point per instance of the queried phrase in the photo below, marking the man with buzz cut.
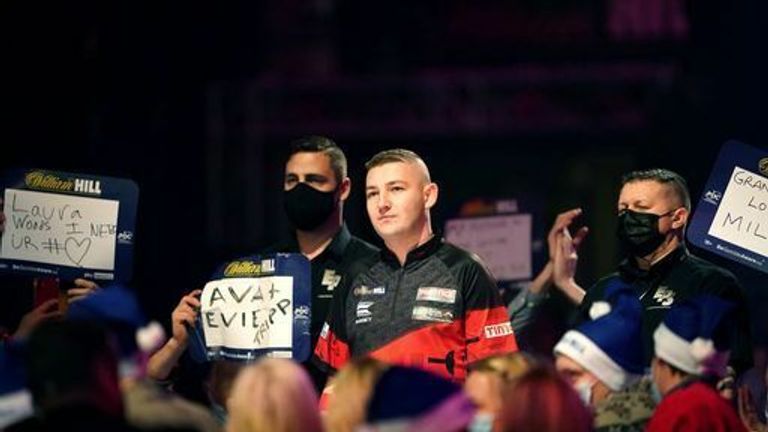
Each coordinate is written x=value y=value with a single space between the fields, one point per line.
x=425 y=303
x=653 y=210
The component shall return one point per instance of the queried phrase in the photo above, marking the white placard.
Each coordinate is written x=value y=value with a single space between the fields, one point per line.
x=59 y=229
x=742 y=216
x=503 y=242
x=248 y=313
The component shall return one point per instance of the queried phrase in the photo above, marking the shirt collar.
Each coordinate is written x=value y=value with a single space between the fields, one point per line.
x=629 y=267
x=420 y=253
x=336 y=248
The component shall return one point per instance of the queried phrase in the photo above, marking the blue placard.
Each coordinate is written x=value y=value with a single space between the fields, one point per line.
x=732 y=216
x=256 y=306
x=68 y=225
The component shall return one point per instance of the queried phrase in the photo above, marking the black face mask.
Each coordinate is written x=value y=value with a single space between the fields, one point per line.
x=638 y=233
x=307 y=208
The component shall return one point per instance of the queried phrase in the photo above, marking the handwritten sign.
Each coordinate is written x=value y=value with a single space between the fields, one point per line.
x=248 y=313
x=68 y=225
x=503 y=242
x=255 y=306
x=742 y=216
x=731 y=218
x=60 y=229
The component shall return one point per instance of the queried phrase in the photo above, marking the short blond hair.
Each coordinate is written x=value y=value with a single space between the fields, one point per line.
x=397 y=155
x=273 y=395
x=351 y=391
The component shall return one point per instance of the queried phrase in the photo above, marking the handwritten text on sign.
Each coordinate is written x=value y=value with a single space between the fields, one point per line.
x=248 y=313
x=60 y=229
x=503 y=242
x=742 y=217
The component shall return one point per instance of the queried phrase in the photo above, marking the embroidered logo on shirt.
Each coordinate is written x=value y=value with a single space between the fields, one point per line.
x=664 y=296
x=498 y=330
x=330 y=279
x=436 y=294
x=424 y=313
x=363 y=309
x=364 y=290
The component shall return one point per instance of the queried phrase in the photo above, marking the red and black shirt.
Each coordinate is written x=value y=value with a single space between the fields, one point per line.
x=440 y=311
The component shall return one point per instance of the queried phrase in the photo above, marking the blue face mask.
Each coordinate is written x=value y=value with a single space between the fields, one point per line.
x=482 y=422
x=584 y=389
x=219 y=412
x=656 y=393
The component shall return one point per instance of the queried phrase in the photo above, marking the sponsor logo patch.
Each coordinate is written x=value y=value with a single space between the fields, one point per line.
x=424 y=313
x=330 y=279
x=498 y=330
x=436 y=294
x=363 y=290
x=364 y=309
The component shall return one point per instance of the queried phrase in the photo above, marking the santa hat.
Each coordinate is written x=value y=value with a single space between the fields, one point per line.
x=117 y=309
x=695 y=335
x=409 y=399
x=609 y=346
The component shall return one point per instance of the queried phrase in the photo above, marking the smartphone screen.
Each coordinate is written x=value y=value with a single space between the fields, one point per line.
x=47 y=288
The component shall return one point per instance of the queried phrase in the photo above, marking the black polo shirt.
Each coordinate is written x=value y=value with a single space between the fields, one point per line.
x=677 y=277
x=334 y=268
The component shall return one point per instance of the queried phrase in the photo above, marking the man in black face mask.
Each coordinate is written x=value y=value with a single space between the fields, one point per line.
x=315 y=187
x=653 y=210
x=314 y=190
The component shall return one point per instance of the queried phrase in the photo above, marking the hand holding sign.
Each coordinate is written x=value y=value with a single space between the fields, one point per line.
x=183 y=317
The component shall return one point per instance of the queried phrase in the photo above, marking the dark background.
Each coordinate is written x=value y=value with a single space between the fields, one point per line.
x=544 y=101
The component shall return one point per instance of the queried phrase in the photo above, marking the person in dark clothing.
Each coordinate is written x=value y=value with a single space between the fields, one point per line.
x=315 y=188
x=653 y=210
x=425 y=303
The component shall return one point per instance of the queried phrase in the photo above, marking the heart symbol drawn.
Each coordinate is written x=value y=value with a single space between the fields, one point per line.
x=76 y=250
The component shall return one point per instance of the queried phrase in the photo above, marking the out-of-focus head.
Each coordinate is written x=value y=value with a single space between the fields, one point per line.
x=604 y=354
x=541 y=400
x=694 y=339
x=116 y=309
x=488 y=377
x=350 y=392
x=410 y=399
x=274 y=395
x=73 y=363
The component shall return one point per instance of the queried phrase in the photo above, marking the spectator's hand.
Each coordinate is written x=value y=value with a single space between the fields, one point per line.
x=565 y=263
x=48 y=310
x=747 y=411
x=184 y=316
x=562 y=222
x=82 y=289
x=566 y=259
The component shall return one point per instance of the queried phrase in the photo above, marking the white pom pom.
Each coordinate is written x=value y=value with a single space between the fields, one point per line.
x=599 y=309
x=702 y=349
x=150 y=337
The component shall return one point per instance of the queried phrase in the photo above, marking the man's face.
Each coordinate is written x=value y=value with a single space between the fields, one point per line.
x=397 y=199
x=312 y=168
x=649 y=196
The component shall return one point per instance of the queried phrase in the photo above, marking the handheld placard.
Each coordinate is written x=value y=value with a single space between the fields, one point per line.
x=731 y=218
x=68 y=225
x=256 y=306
